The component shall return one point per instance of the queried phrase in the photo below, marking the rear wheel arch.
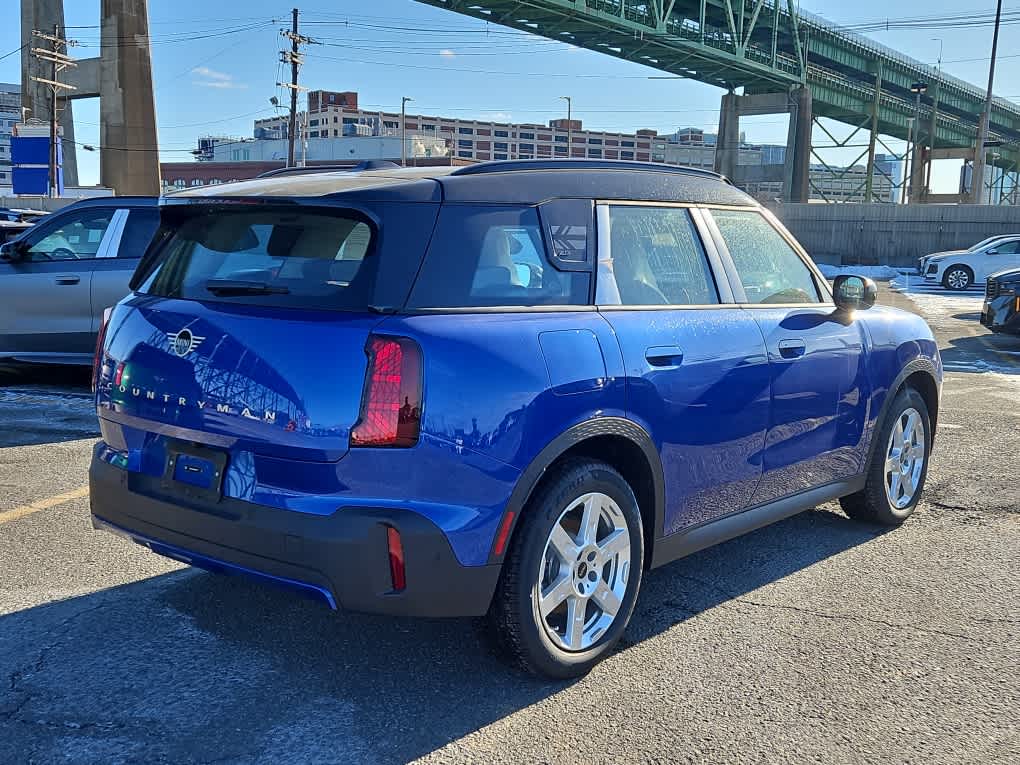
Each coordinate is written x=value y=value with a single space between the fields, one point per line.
x=620 y=443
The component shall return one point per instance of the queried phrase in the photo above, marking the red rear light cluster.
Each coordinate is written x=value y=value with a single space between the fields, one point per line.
x=391 y=401
x=395 y=549
x=97 y=359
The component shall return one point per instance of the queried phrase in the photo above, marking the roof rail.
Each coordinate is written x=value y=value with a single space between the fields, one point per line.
x=510 y=166
x=368 y=164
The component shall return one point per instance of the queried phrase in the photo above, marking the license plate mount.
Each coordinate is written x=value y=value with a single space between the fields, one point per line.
x=194 y=471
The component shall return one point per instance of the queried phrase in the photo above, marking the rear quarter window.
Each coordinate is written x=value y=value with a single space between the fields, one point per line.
x=491 y=255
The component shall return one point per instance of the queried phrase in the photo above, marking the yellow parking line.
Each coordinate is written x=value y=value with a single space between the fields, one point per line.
x=43 y=504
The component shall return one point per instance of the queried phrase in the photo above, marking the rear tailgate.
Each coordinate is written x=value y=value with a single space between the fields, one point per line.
x=232 y=376
x=247 y=333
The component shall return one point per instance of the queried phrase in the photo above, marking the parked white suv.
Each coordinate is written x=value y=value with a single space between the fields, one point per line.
x=967 y=268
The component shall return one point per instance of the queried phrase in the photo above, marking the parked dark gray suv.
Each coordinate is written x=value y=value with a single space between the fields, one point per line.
x=57 y=277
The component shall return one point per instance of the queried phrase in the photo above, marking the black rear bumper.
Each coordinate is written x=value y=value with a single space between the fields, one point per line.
x=341 y=557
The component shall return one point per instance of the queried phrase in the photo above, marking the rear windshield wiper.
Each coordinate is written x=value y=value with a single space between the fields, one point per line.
x=241 y=287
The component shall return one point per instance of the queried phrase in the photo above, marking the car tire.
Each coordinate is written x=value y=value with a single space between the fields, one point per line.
x=958 y=278
x=605 y=567
x=884 y=498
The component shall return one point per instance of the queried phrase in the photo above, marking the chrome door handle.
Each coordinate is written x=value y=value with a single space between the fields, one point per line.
x=69 y=279
x=792 y=349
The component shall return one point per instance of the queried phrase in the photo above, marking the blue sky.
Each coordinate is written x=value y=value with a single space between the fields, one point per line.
x=211 y=78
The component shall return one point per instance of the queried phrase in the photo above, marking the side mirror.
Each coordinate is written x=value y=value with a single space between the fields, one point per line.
x=12 y=252
x=854 y=293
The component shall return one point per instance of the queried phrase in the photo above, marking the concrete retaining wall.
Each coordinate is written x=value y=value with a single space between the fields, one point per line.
x=895 y=235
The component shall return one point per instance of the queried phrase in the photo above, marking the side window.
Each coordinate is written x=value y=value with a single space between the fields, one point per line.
x=492 y=256
x=655 y=258
x=1007 y=248
x=769 y=268
x=138 y=232
x=77 y=237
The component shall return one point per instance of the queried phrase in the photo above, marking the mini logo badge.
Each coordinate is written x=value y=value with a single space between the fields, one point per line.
x=183 y=342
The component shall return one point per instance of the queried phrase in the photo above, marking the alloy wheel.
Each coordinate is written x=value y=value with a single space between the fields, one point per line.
x=904 y=458
x=583 y=575
x=958 y=279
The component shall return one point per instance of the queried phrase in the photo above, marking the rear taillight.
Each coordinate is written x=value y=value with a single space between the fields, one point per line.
x=97 y=359
x=391 y=401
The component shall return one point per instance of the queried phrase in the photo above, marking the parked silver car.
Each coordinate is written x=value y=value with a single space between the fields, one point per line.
x=57 y=277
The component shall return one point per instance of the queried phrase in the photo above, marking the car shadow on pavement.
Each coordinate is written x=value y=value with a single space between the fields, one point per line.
x=987 y=352
x=189 y=666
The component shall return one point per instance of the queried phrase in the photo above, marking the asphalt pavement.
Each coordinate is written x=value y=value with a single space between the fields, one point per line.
x=813 y=640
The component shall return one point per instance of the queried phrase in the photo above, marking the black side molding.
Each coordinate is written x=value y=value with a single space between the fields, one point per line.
x=683 y=543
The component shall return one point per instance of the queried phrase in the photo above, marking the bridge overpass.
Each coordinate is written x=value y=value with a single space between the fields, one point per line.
x=785 y=60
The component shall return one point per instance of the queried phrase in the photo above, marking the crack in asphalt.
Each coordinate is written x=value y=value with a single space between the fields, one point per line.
x=17 y=677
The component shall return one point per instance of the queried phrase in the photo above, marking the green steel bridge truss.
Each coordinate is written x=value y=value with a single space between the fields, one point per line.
x=768 y=46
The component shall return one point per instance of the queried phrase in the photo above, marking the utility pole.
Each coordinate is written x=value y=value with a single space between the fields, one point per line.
x=293 y=57
x=570 y=124
x=403 y=130
x=58 y=60
x=977 y=175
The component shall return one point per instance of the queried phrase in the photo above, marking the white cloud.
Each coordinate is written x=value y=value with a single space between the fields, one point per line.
x=447 y=53
x=211 y=78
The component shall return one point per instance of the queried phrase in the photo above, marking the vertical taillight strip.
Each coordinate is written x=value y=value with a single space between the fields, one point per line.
x=391 y=401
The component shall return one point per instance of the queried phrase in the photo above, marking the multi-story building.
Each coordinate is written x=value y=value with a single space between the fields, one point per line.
x=207 y=145
x=10 y=115
x=336 y=114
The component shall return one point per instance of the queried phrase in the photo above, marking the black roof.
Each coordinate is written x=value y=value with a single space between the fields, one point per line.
x=512 y=182
x=112 y=202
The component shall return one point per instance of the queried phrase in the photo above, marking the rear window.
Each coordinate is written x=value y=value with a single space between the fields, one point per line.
x=290 y=259
x=489 y=255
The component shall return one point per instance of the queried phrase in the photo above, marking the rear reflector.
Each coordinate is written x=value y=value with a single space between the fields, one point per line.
x=391 y=401
x=504 y=532
x=100 y=341
x=395 y=548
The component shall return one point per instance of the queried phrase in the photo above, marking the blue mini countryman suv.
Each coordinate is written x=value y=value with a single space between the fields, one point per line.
x=506 y=389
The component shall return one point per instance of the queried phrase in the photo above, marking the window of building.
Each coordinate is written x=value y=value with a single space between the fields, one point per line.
x=526 y=147
x=499 y=156
x=561 y=139
x=660 y=146
x=627 y=144
x=429 y=128
x=561 y=151
x=350 y=121
x=626 y=155
x=544 y=137
x=499 y=146
x=465 y=130
x=596 y=141
x=313 y=123
x=391 y=124
x=527 y=136
x=659 y=157
x=769 y=268
x=595 y=153
x=501 y=133
x=465 y=143
x=655 y=258
x=196 y=181
x=313 y=134
x=525 y=156
x=466 y=154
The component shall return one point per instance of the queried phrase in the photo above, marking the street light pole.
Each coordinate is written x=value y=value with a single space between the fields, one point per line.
x=403 y=130
x=570 y=124
x=918 y=89
x=977 y=176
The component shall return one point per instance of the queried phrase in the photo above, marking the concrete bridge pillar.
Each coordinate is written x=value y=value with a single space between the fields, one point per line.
x=795 y=170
